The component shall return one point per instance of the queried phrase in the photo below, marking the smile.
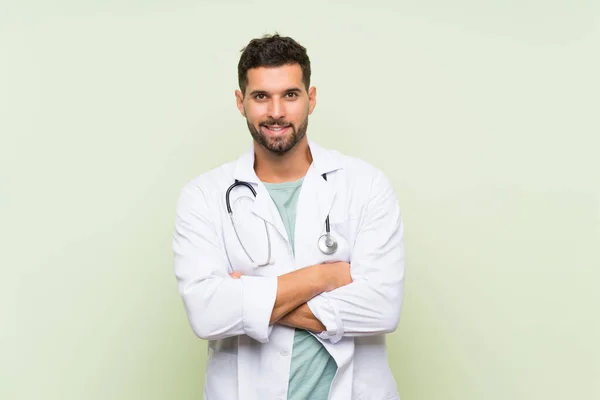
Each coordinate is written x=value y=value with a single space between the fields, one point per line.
x=275 y=130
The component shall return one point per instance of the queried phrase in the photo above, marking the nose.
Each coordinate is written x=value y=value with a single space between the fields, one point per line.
x=276 y=108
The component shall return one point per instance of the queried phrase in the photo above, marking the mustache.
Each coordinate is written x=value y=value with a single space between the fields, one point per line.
x=276 y=122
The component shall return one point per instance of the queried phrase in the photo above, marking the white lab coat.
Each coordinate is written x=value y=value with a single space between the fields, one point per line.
x=247 y=358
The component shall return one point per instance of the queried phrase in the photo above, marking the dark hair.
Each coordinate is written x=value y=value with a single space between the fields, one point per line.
x=272 y=51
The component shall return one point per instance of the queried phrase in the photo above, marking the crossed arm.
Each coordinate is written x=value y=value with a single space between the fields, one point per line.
x=332 y=300
x=296 y=288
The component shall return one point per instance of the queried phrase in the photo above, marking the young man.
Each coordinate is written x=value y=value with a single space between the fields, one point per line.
x=294 y=274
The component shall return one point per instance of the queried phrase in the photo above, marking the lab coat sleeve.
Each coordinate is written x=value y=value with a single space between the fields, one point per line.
x=217 y=306
x=371 y=304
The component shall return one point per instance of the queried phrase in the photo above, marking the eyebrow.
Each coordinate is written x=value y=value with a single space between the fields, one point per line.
x=291 y=90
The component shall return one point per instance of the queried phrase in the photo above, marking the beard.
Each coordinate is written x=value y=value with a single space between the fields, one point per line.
x=280 y=144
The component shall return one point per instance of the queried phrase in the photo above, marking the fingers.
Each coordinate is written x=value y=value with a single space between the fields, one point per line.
x=235 y=275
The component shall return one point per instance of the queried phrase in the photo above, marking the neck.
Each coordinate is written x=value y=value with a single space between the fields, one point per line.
x=277 y=168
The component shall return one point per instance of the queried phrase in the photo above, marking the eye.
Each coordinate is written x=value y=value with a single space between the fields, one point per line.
x=291 y=95
x=260 y=96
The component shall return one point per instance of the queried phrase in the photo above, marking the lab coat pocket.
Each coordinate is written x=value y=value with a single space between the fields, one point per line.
x=221 y=376
x=378 y=388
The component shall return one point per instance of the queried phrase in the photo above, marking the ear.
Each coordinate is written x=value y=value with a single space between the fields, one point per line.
x=312 y=99
x=239 y=99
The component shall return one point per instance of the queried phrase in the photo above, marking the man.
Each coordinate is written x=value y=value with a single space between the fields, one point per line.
x=288 y=316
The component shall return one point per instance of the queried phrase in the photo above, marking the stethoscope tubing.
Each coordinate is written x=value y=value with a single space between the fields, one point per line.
x=327 y=244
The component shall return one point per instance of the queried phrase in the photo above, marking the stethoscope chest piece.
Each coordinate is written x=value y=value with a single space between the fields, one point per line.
x=327 y=244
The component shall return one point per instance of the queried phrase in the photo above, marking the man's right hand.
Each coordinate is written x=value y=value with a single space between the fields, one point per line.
x=335 y=274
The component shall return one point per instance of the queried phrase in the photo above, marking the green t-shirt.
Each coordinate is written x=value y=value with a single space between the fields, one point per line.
x=312 y=368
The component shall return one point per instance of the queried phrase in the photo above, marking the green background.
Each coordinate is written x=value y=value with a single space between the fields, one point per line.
x=486 y=115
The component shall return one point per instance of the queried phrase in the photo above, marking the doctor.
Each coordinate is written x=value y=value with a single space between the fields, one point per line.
x=296 y=288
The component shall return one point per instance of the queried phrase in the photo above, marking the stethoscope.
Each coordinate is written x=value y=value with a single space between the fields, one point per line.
x=326 y=243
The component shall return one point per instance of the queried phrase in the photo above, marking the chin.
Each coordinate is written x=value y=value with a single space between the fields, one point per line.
x=279 y=146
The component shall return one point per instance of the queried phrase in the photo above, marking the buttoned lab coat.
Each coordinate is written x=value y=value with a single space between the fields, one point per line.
x=248 y=359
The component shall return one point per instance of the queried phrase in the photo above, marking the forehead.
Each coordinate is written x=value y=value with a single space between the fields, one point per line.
x=274 y=79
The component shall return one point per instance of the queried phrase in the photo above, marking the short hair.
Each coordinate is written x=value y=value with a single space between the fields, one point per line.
x=272 y=51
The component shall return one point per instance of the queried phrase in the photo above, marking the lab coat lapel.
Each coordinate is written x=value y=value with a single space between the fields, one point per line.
x=263 y=206
x=314 y=205
x=315 y=201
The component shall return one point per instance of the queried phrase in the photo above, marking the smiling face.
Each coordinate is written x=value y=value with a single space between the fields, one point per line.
x=276 y=106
